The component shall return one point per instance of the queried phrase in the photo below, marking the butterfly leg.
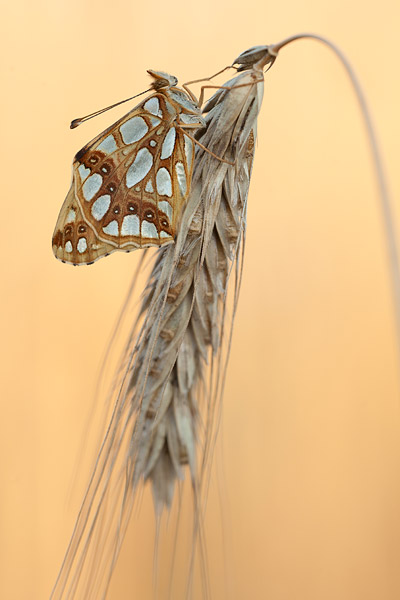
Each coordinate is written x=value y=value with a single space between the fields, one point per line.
x=225 y=87
x=218 y=87
x=204 y=147
x=193 y=97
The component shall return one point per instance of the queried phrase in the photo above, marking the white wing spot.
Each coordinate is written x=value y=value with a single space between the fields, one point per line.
x=168 y=144
x=101 y=206
x=152 y=106
x=164 y=234
x=112 y=228
x=68 y=247
x=149 y=187
x=149 y=230
x=188 y=150
x=108 y=145
x=92 y=186
x=166 y=208
x=163 y=182
x=180 y=172
x=71 y=216
x=133 y=130
x=130 y=225
x=139 y=168
x=155 y=121
x=83 y=172
x=82 y=245
x=153 y=143
x=137 y=188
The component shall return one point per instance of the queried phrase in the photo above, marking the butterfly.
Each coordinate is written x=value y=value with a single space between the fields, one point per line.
x=130 y=183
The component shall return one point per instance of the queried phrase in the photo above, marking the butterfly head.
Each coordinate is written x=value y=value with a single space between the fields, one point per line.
x=162 y=80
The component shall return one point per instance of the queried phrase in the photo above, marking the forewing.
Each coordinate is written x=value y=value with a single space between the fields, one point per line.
x=74 y=241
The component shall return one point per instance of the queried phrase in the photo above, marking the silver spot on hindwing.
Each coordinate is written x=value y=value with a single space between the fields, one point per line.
x=101 y=206
x=92 y=186
x=108 y=145
x=139 y=168
x=155 y=121
x=83 y=172
x=188 y=151
x=68 y=247
x=112 y=228
x=133 y=130
x=163 y=182
x=82 y=245
x=181 y=175
x=168 y=143
x=153 y=106
x=130 y=225
x=149 y=230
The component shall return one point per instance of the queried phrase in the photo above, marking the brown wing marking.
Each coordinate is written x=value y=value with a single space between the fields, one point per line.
x=74 y=242
x=122 y=214
x=116 y=201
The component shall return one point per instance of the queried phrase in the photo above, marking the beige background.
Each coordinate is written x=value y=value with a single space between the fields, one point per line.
x=311 y=431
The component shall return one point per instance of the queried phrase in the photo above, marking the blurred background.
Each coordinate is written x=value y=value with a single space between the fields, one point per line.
x=308 y=469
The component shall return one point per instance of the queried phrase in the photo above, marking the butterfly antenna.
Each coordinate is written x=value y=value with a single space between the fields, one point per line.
x=77 y=122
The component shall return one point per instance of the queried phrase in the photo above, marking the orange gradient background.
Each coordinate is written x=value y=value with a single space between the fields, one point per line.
x=310 y=461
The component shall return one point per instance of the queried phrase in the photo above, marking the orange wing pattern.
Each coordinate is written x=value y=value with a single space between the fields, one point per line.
x=131 y=182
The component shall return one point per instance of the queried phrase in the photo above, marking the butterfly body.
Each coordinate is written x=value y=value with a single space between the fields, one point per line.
x=130 y=183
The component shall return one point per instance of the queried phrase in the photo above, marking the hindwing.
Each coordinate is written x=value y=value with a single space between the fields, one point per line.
x=74 y=242
x=130 y=183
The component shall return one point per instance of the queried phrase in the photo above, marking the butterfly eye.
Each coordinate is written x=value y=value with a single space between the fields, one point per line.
x=93 y=160
x=111 y=188
x=105 y=168
x=68 y=230
x=132 y=207
x=116 y=210
x=81 y=228
x=149 y=215
x=164 y=223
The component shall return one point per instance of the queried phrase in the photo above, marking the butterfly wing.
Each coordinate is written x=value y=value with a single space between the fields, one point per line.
x=132 y=181
x=129 y=183
x=74 y=242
